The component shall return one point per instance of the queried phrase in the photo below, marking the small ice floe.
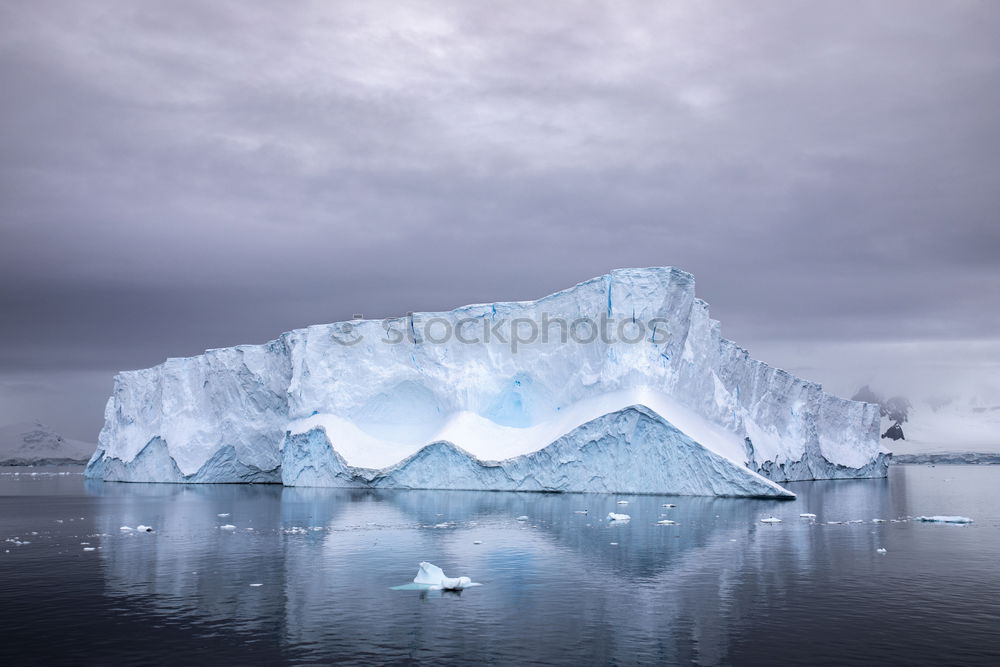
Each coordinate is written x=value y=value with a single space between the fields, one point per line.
x=477 y=542
x=807 y=515
x=522 y=518
x=125 y=529
x=255 y=585
x=881 y=550
x=432 y=578
x=86 y=544
x=666 y=522
x=622 y=502
x=878 y=520
x=579 y=511
x=227 y=526
x=445 y=525
x=771 y=519
x=668 y=505
x=88 y=548
x=223 y=515
x=614 y=544
x=944 y=519
x=618 y=517
x=294 y=530
x=856 y=521
x=144 y=529
x=834 y=523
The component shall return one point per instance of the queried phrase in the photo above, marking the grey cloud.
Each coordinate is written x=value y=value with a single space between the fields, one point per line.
x=176 y=176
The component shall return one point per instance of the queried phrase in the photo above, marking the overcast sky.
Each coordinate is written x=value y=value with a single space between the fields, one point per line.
x=176 y=176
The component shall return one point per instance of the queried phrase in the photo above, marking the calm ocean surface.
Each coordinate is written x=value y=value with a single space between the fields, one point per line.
x=562 y=587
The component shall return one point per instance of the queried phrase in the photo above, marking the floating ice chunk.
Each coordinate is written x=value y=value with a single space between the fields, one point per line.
x=88 y=548
x=125 y=529
x=477 y=542
x=579 y=511
x=144 y=529
x=668 y=505
x=807 y=515
x=944 y=519
x=622 y=502
x=771 y=519
x=618 y=517
x=224 y=515
x=666 y=522
x=228 y=526
x=881 y=550
x=522 y=518
x=614 y=544
x=255 y=585
x=878 y=520
x=431 y=577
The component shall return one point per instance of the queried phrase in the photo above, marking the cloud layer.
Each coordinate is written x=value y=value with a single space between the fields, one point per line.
x=176 y=176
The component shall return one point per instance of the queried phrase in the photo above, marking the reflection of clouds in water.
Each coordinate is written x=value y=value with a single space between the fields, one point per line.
x=666 y=589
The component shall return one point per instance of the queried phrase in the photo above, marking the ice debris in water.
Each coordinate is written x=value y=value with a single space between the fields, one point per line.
x=432 y=578
x=477 y=542
x=944 y=519
x=223 y=515
x=668 y=505
x=881 y=550
x=522 y=518
x=255 y=585
x=622 y=502
x=228 y=526
x=579 y=511
x=88 y=548
x=807 y=515
x=771 y=519
x=666 y=522
x=618 y=517
x=144 y=529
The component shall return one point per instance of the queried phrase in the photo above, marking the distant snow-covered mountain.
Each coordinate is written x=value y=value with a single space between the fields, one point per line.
x=33 y=443
x=937 y=425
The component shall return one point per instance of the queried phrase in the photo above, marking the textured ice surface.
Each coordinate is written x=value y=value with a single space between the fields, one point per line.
x=681 y=410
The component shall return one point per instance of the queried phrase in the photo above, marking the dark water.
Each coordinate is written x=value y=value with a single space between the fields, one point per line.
x=719 y=588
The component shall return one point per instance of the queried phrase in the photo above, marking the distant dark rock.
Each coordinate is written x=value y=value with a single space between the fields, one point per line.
x=894 y=432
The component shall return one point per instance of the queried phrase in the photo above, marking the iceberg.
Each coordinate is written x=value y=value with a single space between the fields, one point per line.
x=432 y=578
x=620 y=384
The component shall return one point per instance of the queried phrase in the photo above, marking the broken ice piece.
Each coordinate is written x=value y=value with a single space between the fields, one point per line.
x=944 y=519
x=807 y=515
x=771 y=519
x=228 y=526
x=618 y=517
x=144 y=529
x=622 y=502
x=223 y=515
x=432 y=578
x=881 y=550
x=522 y=518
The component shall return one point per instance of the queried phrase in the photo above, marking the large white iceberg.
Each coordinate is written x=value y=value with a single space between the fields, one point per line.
x=621 y=384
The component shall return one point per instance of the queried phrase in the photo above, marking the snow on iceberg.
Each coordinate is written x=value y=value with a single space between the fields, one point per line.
x=432 y=578
x=397 y=404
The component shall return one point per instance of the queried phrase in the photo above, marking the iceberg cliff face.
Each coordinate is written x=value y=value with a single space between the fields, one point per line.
x=621 y=384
